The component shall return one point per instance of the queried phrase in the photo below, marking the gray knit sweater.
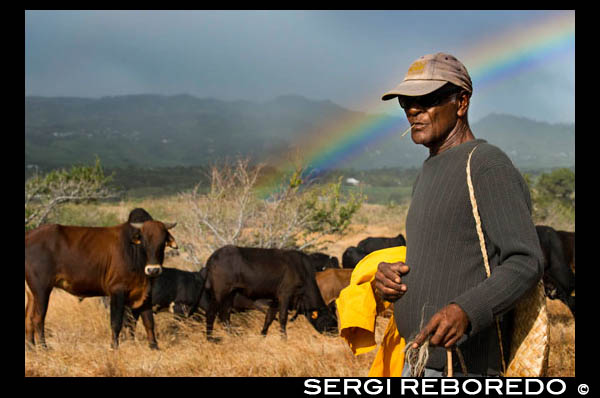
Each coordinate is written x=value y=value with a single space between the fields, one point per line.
x=444 y=255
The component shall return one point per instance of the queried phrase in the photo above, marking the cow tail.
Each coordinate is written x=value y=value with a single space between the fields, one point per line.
x=28 y=293
x=205 y=286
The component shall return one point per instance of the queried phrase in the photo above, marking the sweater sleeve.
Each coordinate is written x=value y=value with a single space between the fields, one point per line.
x=505 y=210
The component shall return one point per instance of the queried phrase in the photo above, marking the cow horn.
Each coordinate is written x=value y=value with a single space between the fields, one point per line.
x=170 y=225
x=137 y=225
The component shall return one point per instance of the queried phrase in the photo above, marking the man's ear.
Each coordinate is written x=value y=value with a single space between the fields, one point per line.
x=463 y=99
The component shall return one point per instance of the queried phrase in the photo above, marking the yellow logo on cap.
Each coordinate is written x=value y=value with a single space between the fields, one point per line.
x=416 y=67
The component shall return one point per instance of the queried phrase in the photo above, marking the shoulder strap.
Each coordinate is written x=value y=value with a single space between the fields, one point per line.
x=476 y=216
x=482 y=244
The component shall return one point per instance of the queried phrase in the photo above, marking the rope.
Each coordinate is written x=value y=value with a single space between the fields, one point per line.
x=482 y=245
x=417 y=358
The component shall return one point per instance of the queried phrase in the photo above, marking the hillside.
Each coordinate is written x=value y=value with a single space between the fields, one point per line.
x=530 y=144
x=182 y=130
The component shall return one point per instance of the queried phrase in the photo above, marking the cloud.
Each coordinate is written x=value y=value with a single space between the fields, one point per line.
x=349 y=57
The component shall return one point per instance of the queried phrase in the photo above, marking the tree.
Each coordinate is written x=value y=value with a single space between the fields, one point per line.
x=554 y=194
x=44 y=193
x=559 y=185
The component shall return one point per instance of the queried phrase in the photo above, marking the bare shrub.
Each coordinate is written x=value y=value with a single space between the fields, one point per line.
x=297 y=216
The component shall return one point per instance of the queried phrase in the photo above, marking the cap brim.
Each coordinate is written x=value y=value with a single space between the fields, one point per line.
x=413 y=88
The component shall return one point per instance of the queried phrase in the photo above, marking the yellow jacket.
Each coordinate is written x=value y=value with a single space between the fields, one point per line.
x=358 y=308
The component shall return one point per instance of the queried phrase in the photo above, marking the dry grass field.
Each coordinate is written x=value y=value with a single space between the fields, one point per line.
x=78 y=333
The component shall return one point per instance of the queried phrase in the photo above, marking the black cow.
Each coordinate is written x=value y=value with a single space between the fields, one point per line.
x=352 y=255
x=568 y=243
x=139 y=215
x=371 y=244
x=286 y=277
x=322 y=261
x=559 y=279
x=179 y=291
x=182 y=293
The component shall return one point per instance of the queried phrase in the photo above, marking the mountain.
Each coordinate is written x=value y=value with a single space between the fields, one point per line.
x=529 y=144
x=154 y=131
x=182 y=130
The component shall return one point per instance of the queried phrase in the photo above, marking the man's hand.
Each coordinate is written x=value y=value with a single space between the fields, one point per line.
x=388 y=280
x=446 y=327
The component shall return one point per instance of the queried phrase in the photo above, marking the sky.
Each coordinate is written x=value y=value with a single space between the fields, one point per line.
x=522 y=62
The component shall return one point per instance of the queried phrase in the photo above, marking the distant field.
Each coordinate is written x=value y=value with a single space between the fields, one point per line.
x=78 y=333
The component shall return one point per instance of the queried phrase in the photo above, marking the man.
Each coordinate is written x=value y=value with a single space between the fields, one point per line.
x=446 y=296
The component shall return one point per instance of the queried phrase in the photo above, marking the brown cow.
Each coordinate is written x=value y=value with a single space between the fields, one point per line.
x=94 y=261
x=332 y=281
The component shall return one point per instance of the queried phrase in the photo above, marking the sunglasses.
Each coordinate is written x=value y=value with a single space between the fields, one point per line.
x=429 y=100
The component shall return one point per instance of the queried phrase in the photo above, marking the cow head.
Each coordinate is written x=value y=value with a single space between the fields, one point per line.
x=322 y=261
x=153 y=236
x=323 y=320
x=334 y=262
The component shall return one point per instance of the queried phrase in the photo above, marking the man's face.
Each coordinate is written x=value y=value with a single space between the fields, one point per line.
x=432 y=116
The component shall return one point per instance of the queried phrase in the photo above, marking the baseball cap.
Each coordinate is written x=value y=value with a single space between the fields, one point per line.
x=430 y=72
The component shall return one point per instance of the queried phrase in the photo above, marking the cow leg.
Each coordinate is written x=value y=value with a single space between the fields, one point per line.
x=225 y=312
x=117 y=308
x=29 y=334
x=130 y=318
x=148 y=321
x=269 y=317
x=211 y=314
x=570 y=301
x=283 y=315
x=292 y=319
x=37 y=315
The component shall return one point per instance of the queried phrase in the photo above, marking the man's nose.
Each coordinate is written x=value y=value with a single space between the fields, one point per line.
x=413 y=110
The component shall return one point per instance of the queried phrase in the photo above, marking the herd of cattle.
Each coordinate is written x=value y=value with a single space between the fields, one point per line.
x=124 y=263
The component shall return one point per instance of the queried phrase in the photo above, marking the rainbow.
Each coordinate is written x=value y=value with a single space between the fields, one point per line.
x=331 y=146
x=489 y=62
x=519 y=49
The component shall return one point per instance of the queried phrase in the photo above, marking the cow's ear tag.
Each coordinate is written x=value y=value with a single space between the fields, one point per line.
x=171 y=242
x=314 y=315
x=136 y=239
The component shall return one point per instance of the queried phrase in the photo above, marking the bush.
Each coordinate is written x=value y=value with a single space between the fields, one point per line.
x=296 y=216
x=44 y=194
x=553 y=196
x=84 y=215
